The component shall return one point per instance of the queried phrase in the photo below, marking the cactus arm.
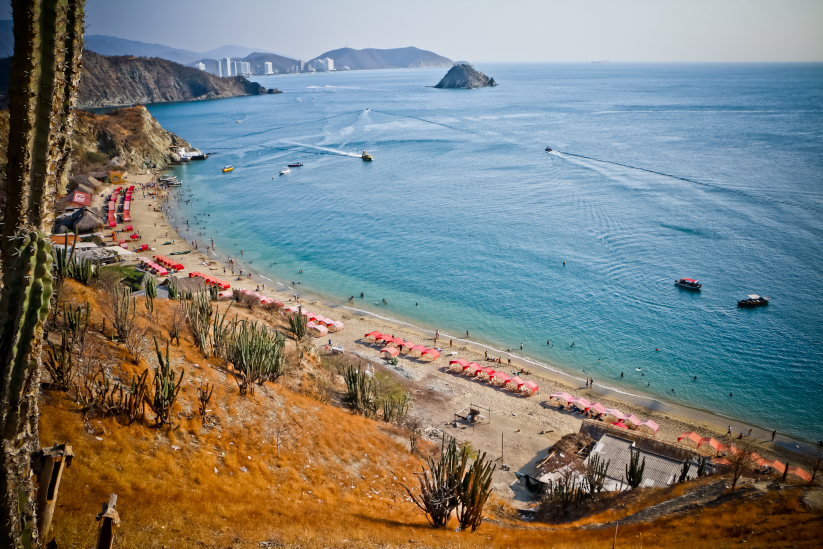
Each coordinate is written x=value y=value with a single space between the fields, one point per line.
x=73 y=66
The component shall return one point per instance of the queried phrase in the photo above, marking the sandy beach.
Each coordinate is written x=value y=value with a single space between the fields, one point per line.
x=530 y=423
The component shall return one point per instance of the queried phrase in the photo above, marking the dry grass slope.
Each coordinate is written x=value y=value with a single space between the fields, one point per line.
x=335 y=483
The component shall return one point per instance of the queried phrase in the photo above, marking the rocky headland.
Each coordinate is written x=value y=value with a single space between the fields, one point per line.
x=464 y=76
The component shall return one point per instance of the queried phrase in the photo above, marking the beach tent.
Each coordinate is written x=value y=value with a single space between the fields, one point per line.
x=516 y=382
x=597 y=407
x=501 y=377
x=580 y=402
x=648 y=426
x=632 y=421
x=371 y=336
x=289 y=310
x=774 y=464
x=531 y=387
x=418 y=350
x=389 y=352
x=561 y=396
x=690 y=435
x=489 y=371
x=613 y=414
x=406 y=346
x=713 y=443
x=381 y=338
x=318 y=331
x=798 y=472
x=473 y=368
x=391 y=341
x=430 y=354
x=462 y=362
x=620 y=424
x=335 y=326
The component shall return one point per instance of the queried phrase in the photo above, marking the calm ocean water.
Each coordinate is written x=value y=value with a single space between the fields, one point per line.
x=462 y=222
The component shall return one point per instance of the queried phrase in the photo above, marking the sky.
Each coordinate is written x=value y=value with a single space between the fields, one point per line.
x=482 y=30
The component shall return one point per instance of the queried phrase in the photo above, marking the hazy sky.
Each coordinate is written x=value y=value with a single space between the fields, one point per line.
x=482 y=30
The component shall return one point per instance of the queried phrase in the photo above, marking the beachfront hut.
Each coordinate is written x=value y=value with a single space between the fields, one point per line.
x=530 y=387
x=798 y=472
x=596 y=407
x=318 y=331
x=417 y=350
x=580 y=402
x=389 y=352
x=371 y=336
x=565 y=397
x=632 y=421
x=690 y=435
x=648 y=426
x=713 y=443
x=500 y=377
x=430 y=354
x=613 y=415
x=460 y=363
x=774 y=464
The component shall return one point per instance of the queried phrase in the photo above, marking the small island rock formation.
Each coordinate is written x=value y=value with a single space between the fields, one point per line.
x=464 y=76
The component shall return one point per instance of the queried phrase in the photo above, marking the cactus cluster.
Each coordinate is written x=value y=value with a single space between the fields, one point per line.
x=165 y=387
x=298 y=324
x=563 y=495
x=151 y=292
x=634 y=470
x=595 y=476
x=256 y=353
x=360 y=391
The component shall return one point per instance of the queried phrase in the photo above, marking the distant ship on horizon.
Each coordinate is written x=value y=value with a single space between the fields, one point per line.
x=601 y=61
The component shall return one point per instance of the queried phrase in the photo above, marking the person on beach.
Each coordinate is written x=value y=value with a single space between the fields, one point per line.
x=621 y=374
x=521 y=346
x=750 y=432
x=730 y=430
x=467 y=334
x=773 y=434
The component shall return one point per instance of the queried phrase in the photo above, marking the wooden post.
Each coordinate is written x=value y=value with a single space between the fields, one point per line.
x=108 y=518
x=615 y=535
x=501 y=447
x=49 y=464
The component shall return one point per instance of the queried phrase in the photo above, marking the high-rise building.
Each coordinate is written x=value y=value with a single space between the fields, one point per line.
x=244 y=68
x=201 y=66
x=226 y=66
x=267 y=64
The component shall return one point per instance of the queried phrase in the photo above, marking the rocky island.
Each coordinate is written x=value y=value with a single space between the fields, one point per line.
x=464 y=76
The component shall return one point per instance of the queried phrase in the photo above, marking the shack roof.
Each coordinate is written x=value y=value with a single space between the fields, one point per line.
x=660 y=471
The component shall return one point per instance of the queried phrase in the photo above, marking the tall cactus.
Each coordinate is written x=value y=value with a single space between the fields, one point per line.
x=43 y=84
x=297 y=324
x=165 y=389
x=474 y=491
x=634 y=470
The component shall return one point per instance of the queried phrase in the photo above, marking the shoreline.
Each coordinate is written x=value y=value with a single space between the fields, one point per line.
x=712 y=423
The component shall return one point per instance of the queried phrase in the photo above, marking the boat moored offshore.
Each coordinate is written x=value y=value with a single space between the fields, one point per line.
x=366 y=156
x=285 y=171
x=688 y=283
x=753 y=300
x=228 y=168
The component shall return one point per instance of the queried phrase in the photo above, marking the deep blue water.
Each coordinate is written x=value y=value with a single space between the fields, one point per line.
x=464 y=214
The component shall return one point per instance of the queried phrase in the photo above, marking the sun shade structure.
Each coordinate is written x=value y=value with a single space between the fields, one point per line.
x=597 y=407
x=515 y=382
x=614 y=415
x=648 y=426
x=501 y=377
x=430 y=354
x=417 y=350
x=531 y=387
x=472 y=368
x=318 y=331
x=620 y=424
x=371 y=336
x=798 y=472
x=462 y=362
x=713 y=443
x=690 y=435
x=389 y=352
x=562 y=396
x=632 y=421
x=580 y=402
x=774 y=464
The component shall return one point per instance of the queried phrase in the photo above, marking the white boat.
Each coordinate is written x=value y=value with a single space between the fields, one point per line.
x=285 y=170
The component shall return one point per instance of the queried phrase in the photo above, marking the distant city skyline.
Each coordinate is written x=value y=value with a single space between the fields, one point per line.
x=482 y=30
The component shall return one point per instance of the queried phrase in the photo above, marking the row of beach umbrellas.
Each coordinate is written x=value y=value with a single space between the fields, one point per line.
x=474 y=369
x=778 y=466
x=147 y=263
x=611 y=415
x=393 y=346
x=210 y=280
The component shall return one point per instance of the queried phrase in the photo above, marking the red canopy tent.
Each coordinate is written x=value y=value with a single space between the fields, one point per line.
x=389 y=352
x=648 y=425
x=562 y=396
x=597 y=407
x=517 y=382
x=532 y=386
x=500 y=376
x=473 y=368
x=798 y=472
x=620 y=424
x=713 y=443
x=460 y=361
x=430 y=354
x=691 y=435
x=372 y=336
x=774 y=464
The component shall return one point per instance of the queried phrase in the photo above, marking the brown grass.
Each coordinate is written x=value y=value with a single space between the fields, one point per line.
x=336 y=483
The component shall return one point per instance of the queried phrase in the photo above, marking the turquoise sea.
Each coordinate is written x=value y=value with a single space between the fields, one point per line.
x=463 y=221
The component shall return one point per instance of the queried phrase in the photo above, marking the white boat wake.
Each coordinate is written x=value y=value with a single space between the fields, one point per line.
x=324 y=149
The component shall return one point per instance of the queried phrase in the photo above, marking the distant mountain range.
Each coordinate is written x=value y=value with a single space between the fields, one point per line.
x=367 y=59
x=398 y=58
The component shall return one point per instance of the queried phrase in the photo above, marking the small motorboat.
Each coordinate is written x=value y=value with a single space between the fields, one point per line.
x=688 y=283
x=753 y=300
x=548 y=149
x=285 y=171
x=228 y=168
x=366 y=156
x=295 y=165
